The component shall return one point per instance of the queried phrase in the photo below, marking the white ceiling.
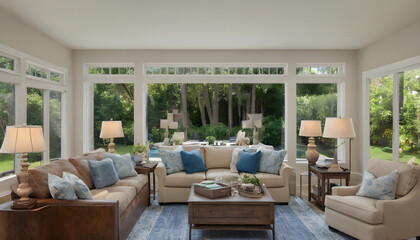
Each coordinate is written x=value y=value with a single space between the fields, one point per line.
x=216 y=24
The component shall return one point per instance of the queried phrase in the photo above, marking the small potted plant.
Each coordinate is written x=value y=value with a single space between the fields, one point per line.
x=210 y=139
x=139 y=151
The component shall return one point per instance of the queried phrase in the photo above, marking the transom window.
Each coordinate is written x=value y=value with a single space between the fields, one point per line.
x=44 y=73
x=217 y=70
x=111 y=70
x=324 y=70
x=7 y=63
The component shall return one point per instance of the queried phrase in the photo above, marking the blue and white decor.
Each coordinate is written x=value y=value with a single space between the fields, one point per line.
x=382 y=188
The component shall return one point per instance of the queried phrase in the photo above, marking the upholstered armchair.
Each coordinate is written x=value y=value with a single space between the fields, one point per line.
x=368 y=218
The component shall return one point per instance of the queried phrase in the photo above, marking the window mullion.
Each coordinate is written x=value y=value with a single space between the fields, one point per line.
x=46 y=125
x=396 y=117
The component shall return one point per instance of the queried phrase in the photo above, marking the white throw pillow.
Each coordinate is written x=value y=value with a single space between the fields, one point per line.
x=235 y=157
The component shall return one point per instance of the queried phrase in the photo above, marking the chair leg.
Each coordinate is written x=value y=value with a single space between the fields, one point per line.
x=332 y=229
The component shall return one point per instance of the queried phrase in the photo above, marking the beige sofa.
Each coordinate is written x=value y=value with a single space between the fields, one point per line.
x=176 y=187
x=368 y=218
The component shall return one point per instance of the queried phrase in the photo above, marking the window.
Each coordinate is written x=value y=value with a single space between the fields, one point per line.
x=55 y=124
x=207 y=109
x=315 y=102
x=36 y=71
x=207 y=70
x=111 y=70
x=55 y=77
x=114 y=101
x=317 y=70
x=7 y=117
x=404 y=88
x=7 y=63
x=34 y=116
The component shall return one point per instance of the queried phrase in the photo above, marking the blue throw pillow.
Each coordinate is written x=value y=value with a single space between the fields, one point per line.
x=103 y=173
x=80 y=188
x=382 y=188
x=172 y=160
x=248 y=162
x=60 y=188
x=123 y=165
x=271 y=161
x=192 y=161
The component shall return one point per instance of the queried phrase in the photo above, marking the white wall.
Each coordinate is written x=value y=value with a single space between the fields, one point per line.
x=291 y=57
x=19 y=36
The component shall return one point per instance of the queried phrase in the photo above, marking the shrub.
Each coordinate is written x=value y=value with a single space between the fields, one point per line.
x=273 y=128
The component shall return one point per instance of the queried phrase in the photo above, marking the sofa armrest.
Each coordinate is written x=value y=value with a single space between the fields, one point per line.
x=345 y=190
x=161 y=174
x=285 y=171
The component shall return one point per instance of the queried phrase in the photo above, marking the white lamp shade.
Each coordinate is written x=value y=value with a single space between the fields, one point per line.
x=310 y=128
x=111 y=129
x=339 y=128
x=23 y=139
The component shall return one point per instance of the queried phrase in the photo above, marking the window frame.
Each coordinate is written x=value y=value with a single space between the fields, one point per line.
x=22 y=81
x=341 y=88
x=394 y=69
x=15 y=64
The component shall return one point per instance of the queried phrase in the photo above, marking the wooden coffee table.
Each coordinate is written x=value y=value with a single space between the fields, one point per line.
x=231 y=213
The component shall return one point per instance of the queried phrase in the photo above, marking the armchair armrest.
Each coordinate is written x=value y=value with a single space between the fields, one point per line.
x=161 y=174
x=345 y=190
x=401 y=215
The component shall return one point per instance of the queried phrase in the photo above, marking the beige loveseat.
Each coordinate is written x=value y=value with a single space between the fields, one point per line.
x=176 y=187
x=368 y=218
x=111 y=215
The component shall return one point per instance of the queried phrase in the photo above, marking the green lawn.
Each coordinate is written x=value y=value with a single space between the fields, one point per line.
x=377 y=152
x=7 y=162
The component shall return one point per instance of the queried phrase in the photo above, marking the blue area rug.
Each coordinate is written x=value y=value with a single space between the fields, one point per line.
x=293 y=221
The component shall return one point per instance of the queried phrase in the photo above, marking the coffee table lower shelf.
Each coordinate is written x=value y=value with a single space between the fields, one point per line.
x=232 y=227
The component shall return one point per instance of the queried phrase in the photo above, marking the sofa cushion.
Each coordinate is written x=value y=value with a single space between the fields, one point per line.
x=82 y=167
x=138 y=182
x=214 y=173
x=361 y=208
x=82 y=191
x=182 y=179
x=407 y=178
x=192 y=161
x=172 y=160
x=97 y=154
x=38 y=177
x=103 y=173
x=123 y=194
x=380 y=188
x=218 y=157
x=248 y=161
x=270 y=180
x=123 y=165
x=60 y=188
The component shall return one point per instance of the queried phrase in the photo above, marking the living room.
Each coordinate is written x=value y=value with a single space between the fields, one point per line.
x=69 y=66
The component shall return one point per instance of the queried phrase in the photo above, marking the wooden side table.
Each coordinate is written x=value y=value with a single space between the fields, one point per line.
x=147 y=169
x=324 y=176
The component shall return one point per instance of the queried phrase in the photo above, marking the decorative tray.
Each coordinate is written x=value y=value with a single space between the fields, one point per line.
x=257 y=193
x=223 y=191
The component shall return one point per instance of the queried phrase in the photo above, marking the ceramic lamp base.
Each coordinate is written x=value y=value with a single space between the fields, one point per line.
x=311 y=154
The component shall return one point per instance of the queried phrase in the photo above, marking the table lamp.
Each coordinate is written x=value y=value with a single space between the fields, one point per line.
x=111 y=129
x=339 y=128
x=254 y=122
x=23 y=139
x=311 y=129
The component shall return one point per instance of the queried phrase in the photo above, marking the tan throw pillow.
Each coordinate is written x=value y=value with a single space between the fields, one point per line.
x=38 y=177
x=82 y=166
x=97 y=154
x=235 y=156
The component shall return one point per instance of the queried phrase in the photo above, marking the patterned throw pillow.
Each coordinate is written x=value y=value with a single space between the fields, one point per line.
x=60 y=188
x=382 y=188
x=123 y=165
x=271 y=161
x=103 y=173
x=80 y=188
x=172 y=160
